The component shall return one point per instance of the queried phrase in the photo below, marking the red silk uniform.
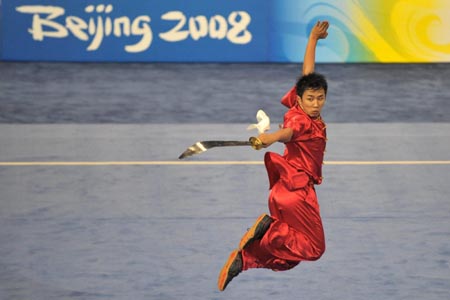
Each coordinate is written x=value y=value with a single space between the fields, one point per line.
x=296 y=234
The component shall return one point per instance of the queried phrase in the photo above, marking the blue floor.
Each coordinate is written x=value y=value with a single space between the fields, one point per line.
x=163 y=231
x=155 y=227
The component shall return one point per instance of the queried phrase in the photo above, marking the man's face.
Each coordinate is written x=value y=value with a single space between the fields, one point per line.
x=312 y=102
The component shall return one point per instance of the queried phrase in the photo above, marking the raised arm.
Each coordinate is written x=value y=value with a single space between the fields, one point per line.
x=319 y=31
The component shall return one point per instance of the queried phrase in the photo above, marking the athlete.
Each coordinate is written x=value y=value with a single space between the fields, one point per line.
x=293 y=231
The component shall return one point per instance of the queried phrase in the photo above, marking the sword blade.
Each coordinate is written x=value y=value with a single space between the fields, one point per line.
x=202 y=146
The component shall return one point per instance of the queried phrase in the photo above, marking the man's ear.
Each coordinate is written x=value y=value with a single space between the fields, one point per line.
x=299 y=101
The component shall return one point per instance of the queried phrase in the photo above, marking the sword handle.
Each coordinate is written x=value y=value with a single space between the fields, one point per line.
x=255 y=143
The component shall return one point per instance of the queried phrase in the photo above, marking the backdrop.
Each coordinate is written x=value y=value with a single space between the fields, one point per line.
x=224 y=30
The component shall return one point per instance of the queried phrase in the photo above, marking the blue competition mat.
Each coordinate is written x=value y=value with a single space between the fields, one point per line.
x=94 y=203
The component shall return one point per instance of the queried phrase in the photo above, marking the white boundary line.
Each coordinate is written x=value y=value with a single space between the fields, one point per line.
x=208 y=163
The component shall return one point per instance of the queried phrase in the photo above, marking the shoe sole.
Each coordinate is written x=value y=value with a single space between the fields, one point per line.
x=250 y=234
x=223 y=275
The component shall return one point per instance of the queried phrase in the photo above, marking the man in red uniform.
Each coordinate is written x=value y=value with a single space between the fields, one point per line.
x=293 y=232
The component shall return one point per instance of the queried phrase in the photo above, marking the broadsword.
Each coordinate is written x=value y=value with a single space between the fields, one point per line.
x=202 y=146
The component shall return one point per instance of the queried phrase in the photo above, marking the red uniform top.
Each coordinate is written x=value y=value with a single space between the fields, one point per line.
x=305 y=150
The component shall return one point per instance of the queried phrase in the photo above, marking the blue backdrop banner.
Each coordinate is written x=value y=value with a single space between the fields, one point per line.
x=224 y=30
x=172 y=30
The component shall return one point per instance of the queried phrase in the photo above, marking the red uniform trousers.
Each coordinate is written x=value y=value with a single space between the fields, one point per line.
x=296 y=234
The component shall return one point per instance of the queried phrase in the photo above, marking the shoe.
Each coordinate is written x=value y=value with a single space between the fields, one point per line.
x=231 y=269
x=257 y=231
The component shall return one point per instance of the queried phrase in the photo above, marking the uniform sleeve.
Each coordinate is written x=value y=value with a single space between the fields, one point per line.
x=290 y=98
x=296 y=122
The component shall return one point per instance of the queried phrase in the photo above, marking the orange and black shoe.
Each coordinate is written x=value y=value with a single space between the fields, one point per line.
x=231 y=269
x=257 y=231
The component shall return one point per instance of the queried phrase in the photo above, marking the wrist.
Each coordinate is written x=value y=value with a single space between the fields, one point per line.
x=313 y=38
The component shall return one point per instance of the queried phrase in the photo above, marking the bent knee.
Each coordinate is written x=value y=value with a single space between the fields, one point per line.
x=318 y=252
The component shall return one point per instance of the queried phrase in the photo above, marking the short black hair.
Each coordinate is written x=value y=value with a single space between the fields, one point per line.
x=314 y=81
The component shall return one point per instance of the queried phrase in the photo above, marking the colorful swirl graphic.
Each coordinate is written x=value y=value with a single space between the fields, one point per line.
x=367 y=30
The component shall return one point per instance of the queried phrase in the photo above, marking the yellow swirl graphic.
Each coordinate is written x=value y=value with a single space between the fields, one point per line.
x=422 y=29
x=386 y=30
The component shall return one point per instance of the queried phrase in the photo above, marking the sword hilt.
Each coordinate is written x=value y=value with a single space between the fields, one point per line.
x=255 y=143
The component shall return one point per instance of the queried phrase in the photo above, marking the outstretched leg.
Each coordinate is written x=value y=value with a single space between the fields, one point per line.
x=291 y=234
x=294 y=235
